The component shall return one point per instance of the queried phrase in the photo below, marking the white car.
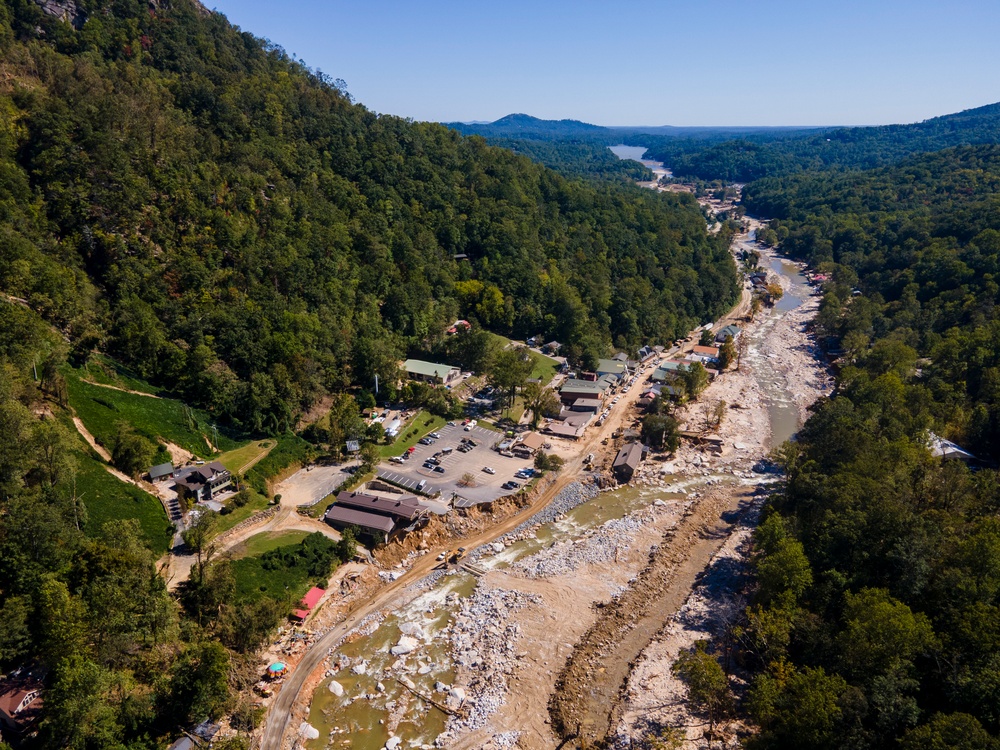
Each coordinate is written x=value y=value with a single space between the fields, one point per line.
x=489 y=470
x=470 y=425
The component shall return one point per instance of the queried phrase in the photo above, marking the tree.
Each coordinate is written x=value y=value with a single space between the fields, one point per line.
x=660 y=431
x=198 y=538
x=131 y=453
x=707 y=684
x=548 y=461
x=509 y=371
x=78 y=713
x=199 y=685
x=797 y=709
x=695 y=379
x=949 y=732
x=774 y=293
x=468 y=480
x=53 y=446
x=718 y=414
x=727 y=353
x=707 y=338
x=370 y=457
x=755 y=305
x=540 y=401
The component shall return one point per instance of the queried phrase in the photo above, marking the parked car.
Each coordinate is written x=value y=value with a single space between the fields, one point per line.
x=470 y=425
x=439 y=469
x=425 y=441
x=428 y=465
x=397 y=459
x=489 y=470
x=464 y=449
x=510 y=485
x=435 y=435
x=433 y=462
x=446 y=451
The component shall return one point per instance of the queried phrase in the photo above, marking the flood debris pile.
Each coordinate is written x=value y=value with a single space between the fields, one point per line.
x=484 y=639
x=601 y=545
x=572 y=496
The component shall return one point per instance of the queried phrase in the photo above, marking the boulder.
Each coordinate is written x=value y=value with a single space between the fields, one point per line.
x=336 y=688
x=405 y=645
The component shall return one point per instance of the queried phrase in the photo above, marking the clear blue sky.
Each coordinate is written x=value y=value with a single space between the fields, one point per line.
x=634 y=62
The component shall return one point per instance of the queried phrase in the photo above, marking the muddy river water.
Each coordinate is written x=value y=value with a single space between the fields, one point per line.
x=360 y=704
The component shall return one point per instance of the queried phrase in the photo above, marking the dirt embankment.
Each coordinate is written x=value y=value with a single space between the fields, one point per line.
x=588 y=687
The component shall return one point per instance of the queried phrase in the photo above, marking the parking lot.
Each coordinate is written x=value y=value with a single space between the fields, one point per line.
x=487 y=486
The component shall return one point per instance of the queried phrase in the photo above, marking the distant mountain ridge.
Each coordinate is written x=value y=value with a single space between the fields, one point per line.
x=522 y=125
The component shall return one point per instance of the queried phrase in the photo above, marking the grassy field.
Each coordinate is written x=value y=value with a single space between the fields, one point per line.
x=423 y=422
x=157 y=418
x=235 y=460
x=287 y=578
x=254 y=581
x=102 y=369
x=545 y=368
x=267 y=541
x=109 y=499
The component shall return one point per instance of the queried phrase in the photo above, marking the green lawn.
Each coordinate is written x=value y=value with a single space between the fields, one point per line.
x=257 y=503
x=423 y=422
x=254 y=581
x=107 y=498
x=267 y=541
x=235 y=460
x=545 y=368
x=157 y=418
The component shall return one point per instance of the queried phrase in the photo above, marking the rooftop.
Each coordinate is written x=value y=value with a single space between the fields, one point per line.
x=352 y=517
x=406 y=506
x=629 y=455
x=428 y=369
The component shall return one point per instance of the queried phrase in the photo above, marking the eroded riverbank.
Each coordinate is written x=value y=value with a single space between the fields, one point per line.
x=494 y=649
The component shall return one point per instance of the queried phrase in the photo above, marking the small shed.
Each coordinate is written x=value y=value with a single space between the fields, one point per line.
x=160 y=472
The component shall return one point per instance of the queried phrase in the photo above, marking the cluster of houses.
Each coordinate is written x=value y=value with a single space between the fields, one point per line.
x=378 y=512
x=664 y=376
x=585 y=398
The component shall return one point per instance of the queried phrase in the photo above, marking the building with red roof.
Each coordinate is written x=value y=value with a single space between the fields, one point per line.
x=308 y=603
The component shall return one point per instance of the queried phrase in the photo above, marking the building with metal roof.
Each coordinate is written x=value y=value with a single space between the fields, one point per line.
x=430 y=372
x=371 y=524
x=404 y=507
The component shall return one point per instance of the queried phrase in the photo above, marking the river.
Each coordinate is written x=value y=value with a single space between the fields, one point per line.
x=635 y=153
x=375 y=707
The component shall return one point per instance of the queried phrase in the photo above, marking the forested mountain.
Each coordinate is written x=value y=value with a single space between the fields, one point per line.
x=875 y=621
x=774 y=153
x=526 y=126
x=232 y=227
x=228 y=222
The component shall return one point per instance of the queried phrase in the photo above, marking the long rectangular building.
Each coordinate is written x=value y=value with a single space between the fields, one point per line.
x=406 y=507
x=341 y=517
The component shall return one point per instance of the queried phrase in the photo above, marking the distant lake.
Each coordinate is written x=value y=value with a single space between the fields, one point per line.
x=628 y=152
